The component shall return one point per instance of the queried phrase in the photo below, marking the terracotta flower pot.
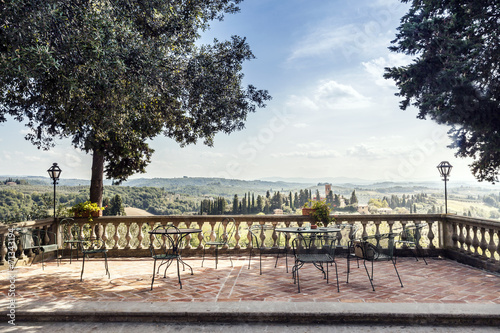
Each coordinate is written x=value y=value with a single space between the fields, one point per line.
x=307 y=211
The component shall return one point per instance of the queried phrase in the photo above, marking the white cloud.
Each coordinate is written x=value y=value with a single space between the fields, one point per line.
x=375 y=67
x=339 y=96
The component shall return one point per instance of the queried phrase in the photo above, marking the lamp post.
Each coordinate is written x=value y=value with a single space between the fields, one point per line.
x=445 y=169
x=54 y=173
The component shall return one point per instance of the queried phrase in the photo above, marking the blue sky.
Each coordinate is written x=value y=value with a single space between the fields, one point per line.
x=332 y=113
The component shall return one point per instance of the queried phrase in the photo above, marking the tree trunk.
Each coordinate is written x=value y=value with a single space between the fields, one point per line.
x=96 y=182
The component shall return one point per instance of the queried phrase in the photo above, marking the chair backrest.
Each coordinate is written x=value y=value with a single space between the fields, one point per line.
x=347 y=233
x=412 y=233
x=314 y=244
x=223 y=230
x=262 y=236
x=28 y=238
x=375 y=247
x=70 y=230
x=92 y=244
x=168 y=238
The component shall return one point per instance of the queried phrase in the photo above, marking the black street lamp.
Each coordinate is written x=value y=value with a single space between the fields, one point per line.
x=54 y=173
x=445 y=169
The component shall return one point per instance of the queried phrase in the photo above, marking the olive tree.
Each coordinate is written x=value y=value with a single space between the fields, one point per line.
x=111 y=74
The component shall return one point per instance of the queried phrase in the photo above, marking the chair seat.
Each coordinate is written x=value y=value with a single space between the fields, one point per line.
x=165 y=256
x=314 y=257
x=95 y=251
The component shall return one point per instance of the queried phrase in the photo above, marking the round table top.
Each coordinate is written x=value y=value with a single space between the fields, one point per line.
x=303 y=230
x=172 y=231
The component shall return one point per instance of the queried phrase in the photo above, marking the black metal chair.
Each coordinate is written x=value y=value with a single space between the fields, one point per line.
x=410 y=237
x=39 y=241
x=375 y=248
x=71 y=236
x=318 y=250
x=262 y=237
x=92 y=246
x=223 y=233
x=170 y=240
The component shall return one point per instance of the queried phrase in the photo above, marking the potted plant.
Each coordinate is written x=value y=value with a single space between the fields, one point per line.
x=86 y=209
x=320 y=213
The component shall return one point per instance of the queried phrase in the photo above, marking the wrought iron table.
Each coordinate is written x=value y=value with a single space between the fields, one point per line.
x=175 y=237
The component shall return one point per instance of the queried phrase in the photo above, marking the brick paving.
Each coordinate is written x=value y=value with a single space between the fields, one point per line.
x=441 y=281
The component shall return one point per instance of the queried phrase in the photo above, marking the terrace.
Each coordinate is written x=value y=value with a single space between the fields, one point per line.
x=459 y=286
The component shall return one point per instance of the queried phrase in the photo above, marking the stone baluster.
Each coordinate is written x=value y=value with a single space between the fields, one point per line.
x=454 y=235
x=468 y=240
x=200 y=235
x=483 y=245
x=475 y=242
x=377 y=227
x=492 y=247
x=498 y=245
x=104 y=234
x=140 y=235
x=46 y=236
x=116 y=236
x=151 y=236
x=390 y=223
x=237 y=236
x=430 y=234
x=187 y=238
x=274 y=236
x=364 y=233
x=3 y=248
x=128 y=236
x=249 y=236
x=461 y=238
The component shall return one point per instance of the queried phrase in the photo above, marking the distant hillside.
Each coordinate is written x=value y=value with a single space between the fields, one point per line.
x=215 y=186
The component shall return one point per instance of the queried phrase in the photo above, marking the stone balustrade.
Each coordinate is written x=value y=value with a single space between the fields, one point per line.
x=470 y=240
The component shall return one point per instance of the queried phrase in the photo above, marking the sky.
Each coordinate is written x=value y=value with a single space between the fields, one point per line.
x=332 y=113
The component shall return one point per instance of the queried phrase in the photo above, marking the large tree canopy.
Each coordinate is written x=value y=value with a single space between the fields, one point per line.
x=454 y=78
x=111 y=74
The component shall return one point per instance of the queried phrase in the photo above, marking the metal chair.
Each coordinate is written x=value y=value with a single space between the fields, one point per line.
x=93 y=246
x=222 y=233
x=170 y=240
x=375 y=248
x=410 y=238
x=38 y=241
x=71 y=236
x=261 y=238
x=318 y=250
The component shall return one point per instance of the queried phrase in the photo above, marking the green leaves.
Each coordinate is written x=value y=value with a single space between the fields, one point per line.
x=111 y=75
x=454 y=78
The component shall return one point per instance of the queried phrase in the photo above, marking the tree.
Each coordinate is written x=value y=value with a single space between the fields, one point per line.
x=354 y=198
x=454 y=78
x=111 y=75
x=235 y=204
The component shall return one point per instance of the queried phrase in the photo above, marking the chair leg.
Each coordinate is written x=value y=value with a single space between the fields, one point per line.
x=106 y=265
x=154 y=269
x=337 y=275
x=394 y=264
x=216 y=256
x=250 y=258
x=179 y=273
x=368 y=273
x=83 y=266
x=203 y=259
x=260 y=262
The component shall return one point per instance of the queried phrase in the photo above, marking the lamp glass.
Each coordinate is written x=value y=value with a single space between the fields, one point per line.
x=54 y=171
x=444 y=169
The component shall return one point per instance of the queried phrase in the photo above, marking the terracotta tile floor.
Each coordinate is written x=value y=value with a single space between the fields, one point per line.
x=442 y=281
